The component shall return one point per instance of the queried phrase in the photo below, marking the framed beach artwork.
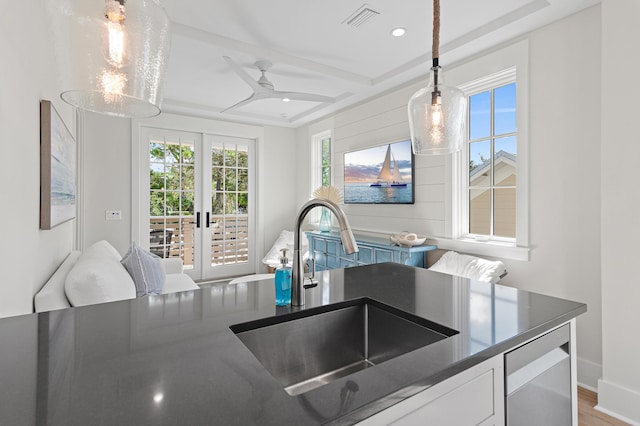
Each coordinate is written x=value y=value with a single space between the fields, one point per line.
x=57 y=169
x=380 y=175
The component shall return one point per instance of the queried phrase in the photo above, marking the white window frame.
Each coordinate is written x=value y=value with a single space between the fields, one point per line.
x=470 y=77
x=316 y=158
x=316 y=167
x=485 y=84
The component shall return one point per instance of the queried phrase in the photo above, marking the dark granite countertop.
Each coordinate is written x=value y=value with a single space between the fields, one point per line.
x=172 y=359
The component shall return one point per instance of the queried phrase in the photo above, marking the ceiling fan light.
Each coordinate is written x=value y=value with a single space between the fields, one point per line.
x=118 y=57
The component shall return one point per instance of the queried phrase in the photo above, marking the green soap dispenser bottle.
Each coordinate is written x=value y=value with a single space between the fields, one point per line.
x=283 y=281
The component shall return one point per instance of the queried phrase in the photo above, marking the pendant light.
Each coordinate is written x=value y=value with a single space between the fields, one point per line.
x=119 y=50
x=436 y=112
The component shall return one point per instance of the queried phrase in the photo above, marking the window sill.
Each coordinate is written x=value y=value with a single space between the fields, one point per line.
x=484 y=248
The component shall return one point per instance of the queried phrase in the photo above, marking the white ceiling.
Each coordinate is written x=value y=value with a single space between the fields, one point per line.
x=314 y=51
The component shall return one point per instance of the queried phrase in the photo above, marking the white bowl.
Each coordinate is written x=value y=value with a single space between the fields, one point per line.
x=408 y=239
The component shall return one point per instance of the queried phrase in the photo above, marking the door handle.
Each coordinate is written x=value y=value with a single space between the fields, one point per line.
x=208 y=219
x=198 y=220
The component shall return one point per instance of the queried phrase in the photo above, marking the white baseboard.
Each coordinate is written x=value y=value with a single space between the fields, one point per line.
x=589 y=373
x=619 y=402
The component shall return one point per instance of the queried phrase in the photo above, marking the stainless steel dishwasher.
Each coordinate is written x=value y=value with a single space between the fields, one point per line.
x=538 y=381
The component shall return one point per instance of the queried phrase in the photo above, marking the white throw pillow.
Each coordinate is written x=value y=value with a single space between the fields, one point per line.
x=95 y=279
x=471 y=267
x=101 y=249
x=145 y=269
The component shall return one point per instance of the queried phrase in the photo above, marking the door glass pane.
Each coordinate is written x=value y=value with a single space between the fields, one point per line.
x=188 y=154
x=230 y=155
x=480 y=211
x=217 y=203
x=504 y=161
x=243 y=180
x=230 y=180
x=173 y=177
x=505 y=109
x=243 y=156
x=187 y=179
x=171 y=199
x=217 y=178
x=480 y=115
x=504 y=221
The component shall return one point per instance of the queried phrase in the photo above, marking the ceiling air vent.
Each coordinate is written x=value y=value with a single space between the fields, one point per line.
x=361 y=16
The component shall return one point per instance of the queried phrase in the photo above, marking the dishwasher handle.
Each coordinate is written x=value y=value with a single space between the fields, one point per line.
x=525 y=363
x=529 y=372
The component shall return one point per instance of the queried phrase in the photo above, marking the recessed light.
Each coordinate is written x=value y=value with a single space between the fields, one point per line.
x=286 y=100
x=157 y=398
x=398 y=32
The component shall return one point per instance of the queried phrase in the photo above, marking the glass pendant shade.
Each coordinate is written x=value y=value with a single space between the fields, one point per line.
x=118 y=52
x=437 y=117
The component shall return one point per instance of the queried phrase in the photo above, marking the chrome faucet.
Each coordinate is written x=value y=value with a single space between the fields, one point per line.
x=348 y=241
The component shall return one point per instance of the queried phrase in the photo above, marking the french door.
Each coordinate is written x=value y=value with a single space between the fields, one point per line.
x=200 y=201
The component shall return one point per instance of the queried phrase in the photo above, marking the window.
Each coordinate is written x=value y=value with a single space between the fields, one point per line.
x=489 y=179
x=326 y=161
x=321 y=160
x=321 y=167
x=492 y=153
x=489 y=166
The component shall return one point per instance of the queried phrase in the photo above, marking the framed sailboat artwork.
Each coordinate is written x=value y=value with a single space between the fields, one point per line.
x=382 y=174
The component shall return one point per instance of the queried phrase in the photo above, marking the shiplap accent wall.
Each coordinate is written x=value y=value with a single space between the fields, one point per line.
x=381 y=121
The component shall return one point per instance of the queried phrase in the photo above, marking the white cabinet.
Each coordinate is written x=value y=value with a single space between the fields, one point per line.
x=473 y=397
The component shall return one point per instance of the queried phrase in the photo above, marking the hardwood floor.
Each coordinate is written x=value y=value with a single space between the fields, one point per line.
x=588 y=416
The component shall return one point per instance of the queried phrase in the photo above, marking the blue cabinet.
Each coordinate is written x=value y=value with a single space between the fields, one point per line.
x=327 y=251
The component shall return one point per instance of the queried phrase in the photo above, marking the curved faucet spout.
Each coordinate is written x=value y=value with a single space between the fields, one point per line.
x=348 y=241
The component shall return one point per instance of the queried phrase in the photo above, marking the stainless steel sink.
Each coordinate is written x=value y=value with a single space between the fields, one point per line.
x=310 y=348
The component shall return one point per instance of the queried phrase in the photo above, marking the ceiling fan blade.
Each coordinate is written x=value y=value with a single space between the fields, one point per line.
x=242 y=73
x=298 y=96
x=239 y=104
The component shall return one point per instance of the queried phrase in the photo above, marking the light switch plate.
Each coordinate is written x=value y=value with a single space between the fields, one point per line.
x=113 y=215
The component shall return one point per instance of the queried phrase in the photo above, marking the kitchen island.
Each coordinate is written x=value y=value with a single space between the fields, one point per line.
x=173 y=359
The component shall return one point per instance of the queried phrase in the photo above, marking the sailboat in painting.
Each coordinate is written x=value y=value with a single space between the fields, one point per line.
x=389 y=177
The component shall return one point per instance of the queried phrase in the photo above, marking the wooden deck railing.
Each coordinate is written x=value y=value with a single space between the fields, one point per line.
x=175 y=236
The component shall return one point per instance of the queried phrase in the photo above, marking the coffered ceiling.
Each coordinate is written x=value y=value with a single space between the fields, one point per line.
x=314 y=49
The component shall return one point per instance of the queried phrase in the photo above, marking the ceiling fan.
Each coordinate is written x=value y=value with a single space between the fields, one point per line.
x=264 y=89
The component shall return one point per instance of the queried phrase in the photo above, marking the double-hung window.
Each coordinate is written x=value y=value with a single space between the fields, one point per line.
x=488 y=172
x=492 y=153
x=321 y=170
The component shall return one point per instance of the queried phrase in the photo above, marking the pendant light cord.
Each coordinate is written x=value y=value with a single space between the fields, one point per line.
x=435 y=51
x=435 y=48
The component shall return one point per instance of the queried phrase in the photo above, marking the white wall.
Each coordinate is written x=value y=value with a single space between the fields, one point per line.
x=28 y=74
x=107 y=180
x=277 y=185
x=564 y=164
x=619 y=389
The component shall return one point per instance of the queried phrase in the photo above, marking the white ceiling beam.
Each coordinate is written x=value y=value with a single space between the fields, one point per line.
x=424 y=61
x=266 y=53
